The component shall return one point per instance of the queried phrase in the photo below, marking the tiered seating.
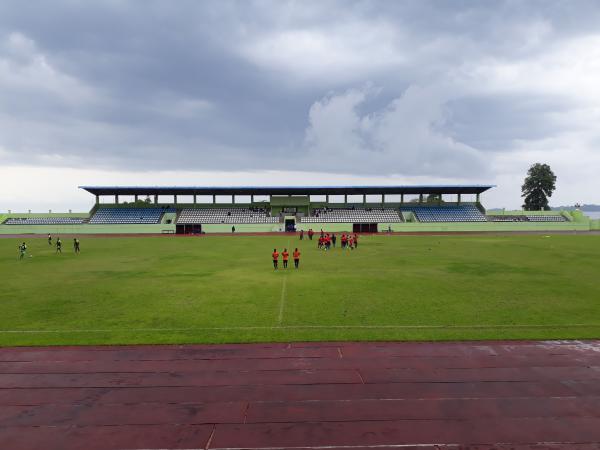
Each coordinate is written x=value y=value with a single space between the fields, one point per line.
x=225 y=215
x=546 y=218
x=507 y=218
x=43 y=221
x=353 y=215
x=127 y=215
x=458 y=213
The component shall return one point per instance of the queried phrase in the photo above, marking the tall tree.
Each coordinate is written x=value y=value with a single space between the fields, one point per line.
x=538 y=187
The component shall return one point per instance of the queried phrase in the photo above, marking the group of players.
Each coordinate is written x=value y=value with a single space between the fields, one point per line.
x=285 y=255
x=58 y=244
x=325 y=242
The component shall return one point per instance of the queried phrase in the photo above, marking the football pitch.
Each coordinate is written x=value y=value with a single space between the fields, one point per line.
x=215 y=289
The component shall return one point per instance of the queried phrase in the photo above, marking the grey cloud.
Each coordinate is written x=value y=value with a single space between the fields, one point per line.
x=163 y=85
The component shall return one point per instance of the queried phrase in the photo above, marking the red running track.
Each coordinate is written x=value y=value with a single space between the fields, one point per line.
x=459 y=395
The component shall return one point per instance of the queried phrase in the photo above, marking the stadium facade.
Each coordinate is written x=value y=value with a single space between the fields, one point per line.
x=201 y=209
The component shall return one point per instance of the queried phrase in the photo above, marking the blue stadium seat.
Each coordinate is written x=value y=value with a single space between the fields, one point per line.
x=128 y=215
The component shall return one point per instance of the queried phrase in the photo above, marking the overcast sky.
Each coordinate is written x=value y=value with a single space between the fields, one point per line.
x=308 y=92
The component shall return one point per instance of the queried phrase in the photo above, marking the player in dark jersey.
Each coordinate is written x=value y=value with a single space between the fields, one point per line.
x=58 y=245
x=22 y=250
x=76 y=245
x=49 y=239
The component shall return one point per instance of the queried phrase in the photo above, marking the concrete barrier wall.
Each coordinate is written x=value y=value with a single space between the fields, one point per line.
x=330 y=227
x=243 y=228
x=85 y=229
x=484 y=226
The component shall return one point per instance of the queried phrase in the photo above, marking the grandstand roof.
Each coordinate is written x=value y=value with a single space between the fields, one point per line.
x=285 y=190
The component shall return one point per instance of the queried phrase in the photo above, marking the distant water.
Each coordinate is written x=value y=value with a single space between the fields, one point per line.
x=592 y=214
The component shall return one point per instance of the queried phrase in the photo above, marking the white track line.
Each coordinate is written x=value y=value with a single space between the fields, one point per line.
x=312 y=327
x=282 y=301
x=374 y=446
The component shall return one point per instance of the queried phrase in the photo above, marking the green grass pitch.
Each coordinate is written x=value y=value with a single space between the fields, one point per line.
x=223 y=289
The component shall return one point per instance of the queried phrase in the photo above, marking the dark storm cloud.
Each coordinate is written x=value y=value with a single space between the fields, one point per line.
x=277 y=85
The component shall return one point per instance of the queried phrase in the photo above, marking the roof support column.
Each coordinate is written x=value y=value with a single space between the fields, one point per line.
x=175 y=199
x=364 y=199
x=232 y=199
x=97 y=199
x=195 y=200
x=401 y=198
x=440 y=199
x=116 y=199
x=327 y=198
x=252 y=198
x=214 y=199
x=420 y=198
x=477 y=197
x=459 y=199
x=155 y=199
x=345 y=199
x=135 y=198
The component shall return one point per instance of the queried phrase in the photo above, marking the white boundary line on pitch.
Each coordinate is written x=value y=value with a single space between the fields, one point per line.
x=374 y=446
x=282 y=301
x=322 y=447
x=312 y=327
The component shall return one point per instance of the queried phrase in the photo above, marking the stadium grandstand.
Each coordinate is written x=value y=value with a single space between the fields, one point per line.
x=199 y=210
